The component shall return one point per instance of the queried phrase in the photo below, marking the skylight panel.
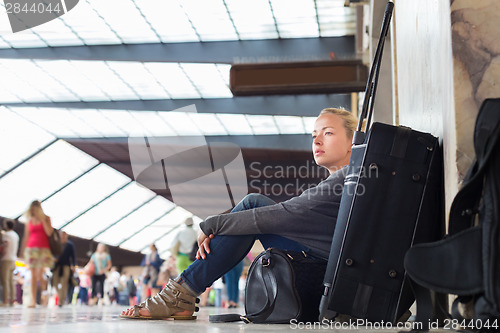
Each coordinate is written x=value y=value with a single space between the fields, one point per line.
x=134 y=222
x=173 y=79
x=105 y=79
x=169 y=20
x=224 y=72
x=335 y=19
x=168 y=223
x=97 y=119
x=210 y=19
x=59 y=122
x=181 y=123
x=137 y=76
x=90 y=27
x=253 y=19
x=73 y=78
x=146 y=237
x=297 y=19
x=7 y=97
x=82 y=194
x=175 y=217
x=262 y=124
x=208 y=80
x=309 y=124
x=109 y=211
x=126 y=20
x=41 y=176
x=3 y=44
x=126 y=122
x=289 y=124
x=20 y=139
x=22 y=39
x=41 y=80
x=18 y=85
x=235 y=124
x=56 y=33
x=155 y=125
x=165 y=243
x=209 y=124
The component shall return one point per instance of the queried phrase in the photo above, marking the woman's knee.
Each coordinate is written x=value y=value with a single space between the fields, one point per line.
x=253 y=200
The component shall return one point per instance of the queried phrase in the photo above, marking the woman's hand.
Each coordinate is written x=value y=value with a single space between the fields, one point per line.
x=203 y=245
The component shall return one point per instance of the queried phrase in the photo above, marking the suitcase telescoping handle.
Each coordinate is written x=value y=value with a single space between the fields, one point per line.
x=359 y=138
x=371 y=85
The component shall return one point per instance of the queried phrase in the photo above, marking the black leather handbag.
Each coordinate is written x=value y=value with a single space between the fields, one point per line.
x=281 y=286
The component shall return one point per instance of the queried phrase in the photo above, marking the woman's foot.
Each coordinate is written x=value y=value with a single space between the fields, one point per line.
x=174 y=301
x=232 y=305
x=145 y=312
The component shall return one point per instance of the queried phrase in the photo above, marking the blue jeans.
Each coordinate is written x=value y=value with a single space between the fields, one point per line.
x=228 y=250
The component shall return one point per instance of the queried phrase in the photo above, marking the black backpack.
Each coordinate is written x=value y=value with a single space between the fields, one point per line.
x=467 y=262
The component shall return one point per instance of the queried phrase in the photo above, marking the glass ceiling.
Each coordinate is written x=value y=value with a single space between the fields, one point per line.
x=94 y=22
x=82 y=196
x=79 y=80
x=83 y=123
x=36 y=164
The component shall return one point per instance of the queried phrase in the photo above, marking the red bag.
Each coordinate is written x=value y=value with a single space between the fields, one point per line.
x=90 y=268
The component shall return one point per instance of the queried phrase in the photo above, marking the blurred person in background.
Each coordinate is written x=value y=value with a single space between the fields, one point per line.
x=102 y=263
x=64 y=268
x=10 y=240
x=114 y=285
x=132 y=290
x=152 y=263
x=232 y=280
x=35 y=246
x=85 y=282
x=183 y=244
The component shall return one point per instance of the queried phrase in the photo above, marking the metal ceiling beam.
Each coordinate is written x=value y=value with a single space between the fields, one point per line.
x=298 y=105
x=245 y=51
x=293 y=142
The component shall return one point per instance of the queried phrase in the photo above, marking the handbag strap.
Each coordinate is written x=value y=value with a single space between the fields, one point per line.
x=271 y=294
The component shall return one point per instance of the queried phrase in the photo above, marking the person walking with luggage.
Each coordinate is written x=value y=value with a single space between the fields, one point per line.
x=10 y=240
x=64 y=268
x=303 y=223
x=35 y=246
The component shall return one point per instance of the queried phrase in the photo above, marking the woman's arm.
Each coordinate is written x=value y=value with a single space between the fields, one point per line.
x=47 y=226
x=307 y=212
x=108 y=264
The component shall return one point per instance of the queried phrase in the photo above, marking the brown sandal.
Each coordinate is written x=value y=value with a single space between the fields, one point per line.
x=172 y=299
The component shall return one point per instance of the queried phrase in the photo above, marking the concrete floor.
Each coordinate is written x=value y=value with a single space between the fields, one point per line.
x=104 y=319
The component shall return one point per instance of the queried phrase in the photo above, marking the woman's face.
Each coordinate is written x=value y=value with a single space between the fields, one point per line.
x=331 y=146
x=100 y=248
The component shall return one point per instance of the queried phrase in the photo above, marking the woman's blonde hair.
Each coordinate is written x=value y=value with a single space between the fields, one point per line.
x=350 y=120
x=104 y=246
x=36 y=211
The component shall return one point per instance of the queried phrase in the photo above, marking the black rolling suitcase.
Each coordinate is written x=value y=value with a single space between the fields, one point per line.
x=392 y=198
